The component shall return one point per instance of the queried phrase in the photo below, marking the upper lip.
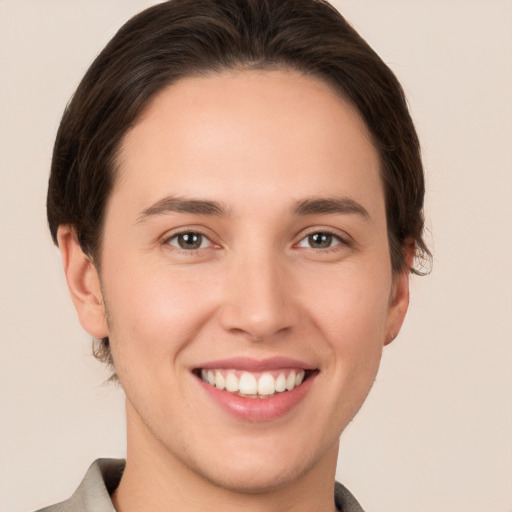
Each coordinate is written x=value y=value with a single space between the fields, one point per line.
x=255 y=365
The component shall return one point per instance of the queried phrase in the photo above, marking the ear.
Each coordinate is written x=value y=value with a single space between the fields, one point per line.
x=83 y=283
x=399 y=299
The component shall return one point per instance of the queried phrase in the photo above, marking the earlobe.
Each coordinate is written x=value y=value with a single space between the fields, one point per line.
x=83 y=283
x=399 y=300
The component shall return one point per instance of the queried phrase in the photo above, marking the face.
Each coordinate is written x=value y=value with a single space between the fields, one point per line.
x=246 y=273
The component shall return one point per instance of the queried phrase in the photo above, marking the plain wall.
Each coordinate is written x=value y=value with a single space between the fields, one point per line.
x=436 y=431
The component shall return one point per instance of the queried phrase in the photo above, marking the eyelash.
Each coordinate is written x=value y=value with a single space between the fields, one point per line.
x=176 y=237
x=340 y=241
x=332 y=237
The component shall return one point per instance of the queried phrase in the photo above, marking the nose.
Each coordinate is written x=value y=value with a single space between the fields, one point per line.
x=259 y=298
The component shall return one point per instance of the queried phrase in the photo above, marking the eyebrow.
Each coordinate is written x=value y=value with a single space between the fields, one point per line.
x=344 y=205
x=311 y=206
x=180 y=205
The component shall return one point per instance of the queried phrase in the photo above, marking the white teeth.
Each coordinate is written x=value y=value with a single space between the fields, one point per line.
x=232 y=383
x=266 y=385
x=249 y=384
x=290 y=381
x=281 y=383
x=220 y=381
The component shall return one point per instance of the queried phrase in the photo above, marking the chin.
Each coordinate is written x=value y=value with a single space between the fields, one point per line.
x=247 y=478
x=263 y=467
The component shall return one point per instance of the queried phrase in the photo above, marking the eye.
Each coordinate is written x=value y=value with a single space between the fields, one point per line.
x=320 y=240
x=189 y=241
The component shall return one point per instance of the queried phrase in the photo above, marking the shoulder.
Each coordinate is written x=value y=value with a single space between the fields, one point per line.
x=344 y=499
x=93 y=494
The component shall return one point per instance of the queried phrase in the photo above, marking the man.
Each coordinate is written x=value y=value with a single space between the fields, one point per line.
x=237 y=194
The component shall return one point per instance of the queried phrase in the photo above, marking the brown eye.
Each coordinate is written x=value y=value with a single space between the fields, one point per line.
x=320 y=240
x=189 y=241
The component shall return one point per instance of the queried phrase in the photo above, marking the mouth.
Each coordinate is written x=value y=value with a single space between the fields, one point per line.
x=255 y=390
x=254 y=384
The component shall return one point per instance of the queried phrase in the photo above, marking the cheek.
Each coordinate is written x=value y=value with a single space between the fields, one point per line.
x=155 y=313
x=351 y=312
x=355 y=332
x=351 y=303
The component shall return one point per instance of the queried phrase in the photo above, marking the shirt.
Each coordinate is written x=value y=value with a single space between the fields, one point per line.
x=104 y=475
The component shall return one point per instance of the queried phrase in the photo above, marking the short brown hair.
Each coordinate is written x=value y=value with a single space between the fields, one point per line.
x=183 y=38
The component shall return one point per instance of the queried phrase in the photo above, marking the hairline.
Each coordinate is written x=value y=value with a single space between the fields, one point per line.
x=114 y=168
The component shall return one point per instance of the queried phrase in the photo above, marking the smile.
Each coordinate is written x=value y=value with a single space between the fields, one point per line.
x=254 y=384
x=255 y=390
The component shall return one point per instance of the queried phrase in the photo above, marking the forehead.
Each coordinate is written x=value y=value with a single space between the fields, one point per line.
x=250 y=135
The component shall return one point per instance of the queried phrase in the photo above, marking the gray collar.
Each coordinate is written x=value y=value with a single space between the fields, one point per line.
x=104 y=475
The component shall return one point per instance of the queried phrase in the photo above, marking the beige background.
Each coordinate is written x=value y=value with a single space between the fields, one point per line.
x=436 y=431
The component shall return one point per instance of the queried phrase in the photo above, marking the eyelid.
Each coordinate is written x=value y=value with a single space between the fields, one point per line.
x=344 y=238
x=204 y=240
x=184 y=230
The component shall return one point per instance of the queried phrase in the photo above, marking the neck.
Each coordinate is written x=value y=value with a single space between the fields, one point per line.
x=157 y=481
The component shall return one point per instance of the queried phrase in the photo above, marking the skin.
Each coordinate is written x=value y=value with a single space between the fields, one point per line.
x=257 y=143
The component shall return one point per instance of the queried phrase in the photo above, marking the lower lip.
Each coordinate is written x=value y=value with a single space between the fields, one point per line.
x=258 y=410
